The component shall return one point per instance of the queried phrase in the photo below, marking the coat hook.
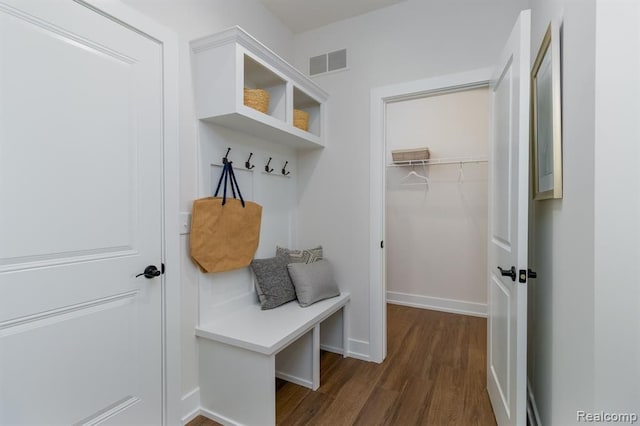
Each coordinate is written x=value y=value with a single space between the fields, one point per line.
x=266 y=168
x=284 y=169
x=224 y=159
x=248 y=164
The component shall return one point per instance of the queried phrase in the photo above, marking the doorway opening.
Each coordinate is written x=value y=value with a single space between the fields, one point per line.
x=393 y=103
x=436 y=209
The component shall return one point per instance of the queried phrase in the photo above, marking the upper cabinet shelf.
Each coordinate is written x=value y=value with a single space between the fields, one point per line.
x=226 y=63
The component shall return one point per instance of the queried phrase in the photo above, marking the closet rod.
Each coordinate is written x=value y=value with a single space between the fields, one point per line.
x=439 y=161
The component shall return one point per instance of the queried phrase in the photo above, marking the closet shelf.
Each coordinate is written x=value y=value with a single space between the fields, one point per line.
x=439 y=161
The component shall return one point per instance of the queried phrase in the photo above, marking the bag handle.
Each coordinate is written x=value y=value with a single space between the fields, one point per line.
x=229 y=177
x=234 y=181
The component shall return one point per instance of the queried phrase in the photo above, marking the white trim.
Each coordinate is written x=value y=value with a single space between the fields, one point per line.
x=171 y=344
x=379 y=98
x=238 y=35
x=294 y=379
x=377 y=257
x=172 y=318
x=190 y=406
x=359 y=349
x=438 y=304
x=216 y=417
x=333 y=349
x=532 y=407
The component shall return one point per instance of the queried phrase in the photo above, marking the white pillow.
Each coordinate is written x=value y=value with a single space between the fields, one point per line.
x=300 y=256
x=313 y=281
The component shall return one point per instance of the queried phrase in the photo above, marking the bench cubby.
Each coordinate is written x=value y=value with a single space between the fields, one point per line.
x=243 y=350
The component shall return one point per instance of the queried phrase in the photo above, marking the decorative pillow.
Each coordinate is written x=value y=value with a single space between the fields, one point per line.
x=300 y=256
x=273 y=285
x=313 y=281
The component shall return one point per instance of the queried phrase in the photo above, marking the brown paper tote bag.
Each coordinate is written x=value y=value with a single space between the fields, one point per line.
x=225 y=232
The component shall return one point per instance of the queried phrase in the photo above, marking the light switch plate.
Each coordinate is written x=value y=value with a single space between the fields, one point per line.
x=185 y=223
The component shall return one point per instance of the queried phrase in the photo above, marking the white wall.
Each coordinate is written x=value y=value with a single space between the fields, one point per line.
x=561 y=345
x=617 y=207
x=412 y=40
x=192 y=19
x=274 y=192
x=436 y=236
x=584 y=347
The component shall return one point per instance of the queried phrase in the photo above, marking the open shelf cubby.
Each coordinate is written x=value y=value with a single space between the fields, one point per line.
x=257 y=76
x=226 y=63
x=304 y=102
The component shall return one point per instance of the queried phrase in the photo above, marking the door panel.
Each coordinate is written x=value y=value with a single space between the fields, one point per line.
x=48 y=352
x=500 y=302
x=87 y=149
x=81 y=193
x=509 y=198
x=502 y=93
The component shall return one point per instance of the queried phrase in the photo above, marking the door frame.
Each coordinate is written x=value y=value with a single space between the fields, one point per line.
x=171 y=342
x=380 y=97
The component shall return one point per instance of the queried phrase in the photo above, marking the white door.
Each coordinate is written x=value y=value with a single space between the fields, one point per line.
x=80 y=217
x=508 y=227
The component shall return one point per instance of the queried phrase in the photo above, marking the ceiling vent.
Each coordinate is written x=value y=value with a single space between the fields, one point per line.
x=328 y=62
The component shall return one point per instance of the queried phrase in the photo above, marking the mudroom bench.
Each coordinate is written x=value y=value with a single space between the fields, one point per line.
x=243 y=349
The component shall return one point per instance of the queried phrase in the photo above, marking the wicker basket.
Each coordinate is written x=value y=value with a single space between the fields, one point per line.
x=414 y=154
x=257 y=99
x=301 y=119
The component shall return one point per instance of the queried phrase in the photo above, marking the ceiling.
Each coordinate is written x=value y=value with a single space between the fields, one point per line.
x=304 y=15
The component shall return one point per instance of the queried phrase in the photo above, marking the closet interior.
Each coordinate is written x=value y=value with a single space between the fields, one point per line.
x=436 y=208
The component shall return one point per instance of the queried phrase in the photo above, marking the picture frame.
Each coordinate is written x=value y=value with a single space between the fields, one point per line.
x=546 y=118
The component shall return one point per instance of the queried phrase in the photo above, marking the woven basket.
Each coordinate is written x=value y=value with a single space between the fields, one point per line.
x=415 y=154
x=301 y=119
x=257 y=99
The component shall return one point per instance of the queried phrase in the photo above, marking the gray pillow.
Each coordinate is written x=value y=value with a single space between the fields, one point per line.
x=273 y=285
x=300 y=256
x=313 y=281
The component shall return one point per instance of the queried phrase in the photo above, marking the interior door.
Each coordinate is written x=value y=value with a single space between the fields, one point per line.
x=508 y=229
x=80 y=217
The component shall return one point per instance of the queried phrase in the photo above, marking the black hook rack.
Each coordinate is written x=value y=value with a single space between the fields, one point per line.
x=225 y=160
x=248 y=164
x=284 y=169
x=266 y=168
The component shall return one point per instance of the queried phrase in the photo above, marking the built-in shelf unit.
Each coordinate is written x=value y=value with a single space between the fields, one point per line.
x=227 y=62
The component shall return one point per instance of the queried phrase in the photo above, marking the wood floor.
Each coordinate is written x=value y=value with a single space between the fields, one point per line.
x=434 y=374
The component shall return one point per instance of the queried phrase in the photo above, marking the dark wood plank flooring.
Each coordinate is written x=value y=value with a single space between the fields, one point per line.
x=434 y=374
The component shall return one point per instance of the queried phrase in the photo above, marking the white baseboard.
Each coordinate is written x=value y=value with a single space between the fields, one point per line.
x=217 y=418
x=359 y=349
x=333 y=349
x=438 y=304
x=532 y=407
x=190 y=405
x=294 y=379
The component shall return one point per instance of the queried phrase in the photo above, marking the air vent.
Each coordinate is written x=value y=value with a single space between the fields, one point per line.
x=337 y=60
x=327 y=62
x=318 y=64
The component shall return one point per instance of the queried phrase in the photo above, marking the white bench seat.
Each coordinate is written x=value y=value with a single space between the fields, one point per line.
x=238 y=362
x=269 y=331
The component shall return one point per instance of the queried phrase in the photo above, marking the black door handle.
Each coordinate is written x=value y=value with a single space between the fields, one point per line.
x=532 y=274
x=150 y=272
x=508 y=272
